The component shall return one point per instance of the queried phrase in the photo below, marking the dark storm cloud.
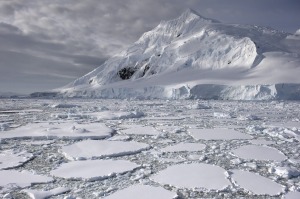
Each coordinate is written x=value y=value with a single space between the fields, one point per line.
x=48 y=43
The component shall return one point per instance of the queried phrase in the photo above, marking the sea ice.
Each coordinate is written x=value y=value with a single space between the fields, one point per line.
x=4 y=126
x=10 y=158
x=261 y=142
x=92 y=170
x=140 y=130
x=221 y=115
x=205 y=176
x=292 y=195
x=290 y=124
x=259 y=153
x=10 y=178
x=142 y=192
x=89 y=149
x=119 y=138
x=60 y=130
x=170 y=129
x=64 y=106
x=285 y=172
x=39 y=194
x=217 y=134
x=115 y=115
x=255 y=183
x=184 y=147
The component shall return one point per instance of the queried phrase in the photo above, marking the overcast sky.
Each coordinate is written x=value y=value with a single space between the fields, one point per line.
x=46 y=44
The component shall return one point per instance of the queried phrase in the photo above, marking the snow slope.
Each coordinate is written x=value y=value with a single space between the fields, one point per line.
x=196 y=57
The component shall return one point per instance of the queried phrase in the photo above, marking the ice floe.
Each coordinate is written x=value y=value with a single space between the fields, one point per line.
x=60 y=130
x=11 y=178
x=10 y=158
x=89 y=149
x=41 y=194
x=184 y=147
x=202 y=176
x=92 y=170
x=142 y=192
x=255 y=183
x=254 y=152
x=217 y=134
x=139 y=130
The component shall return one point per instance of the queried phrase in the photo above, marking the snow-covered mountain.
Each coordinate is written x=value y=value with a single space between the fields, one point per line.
x=196 y=57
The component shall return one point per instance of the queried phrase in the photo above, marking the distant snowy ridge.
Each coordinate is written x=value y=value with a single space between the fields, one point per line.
x=196 y=57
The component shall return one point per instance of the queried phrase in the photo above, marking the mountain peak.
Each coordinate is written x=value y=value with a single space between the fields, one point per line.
x=192 y=14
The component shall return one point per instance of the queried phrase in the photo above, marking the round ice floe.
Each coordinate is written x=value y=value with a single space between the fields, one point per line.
x=259 y=153
x=205 y=176
x=102 y=148
x=10 y=159
x=255 y=183
x=217 y=134
x=60 y=130
x=292 y=195
x=140 y=130
x=21 y=179
x=142 y=192
x=184 y=147
x=91 y=170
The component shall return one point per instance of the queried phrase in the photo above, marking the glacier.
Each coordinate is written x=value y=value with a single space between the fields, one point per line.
x=194 y=57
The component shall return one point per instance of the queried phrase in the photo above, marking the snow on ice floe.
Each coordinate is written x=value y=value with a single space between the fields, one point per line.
x=92 y=170
x=292 y=195
x=217 y=134
x=142 y=192
x=255 y=183
x=197 y=175
x=10 y=178
x=89 y=149
x=60 y=130
x=190 y=147
x=139 y=130
x=41 y=194
x=10 y=158
x=255 y=152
